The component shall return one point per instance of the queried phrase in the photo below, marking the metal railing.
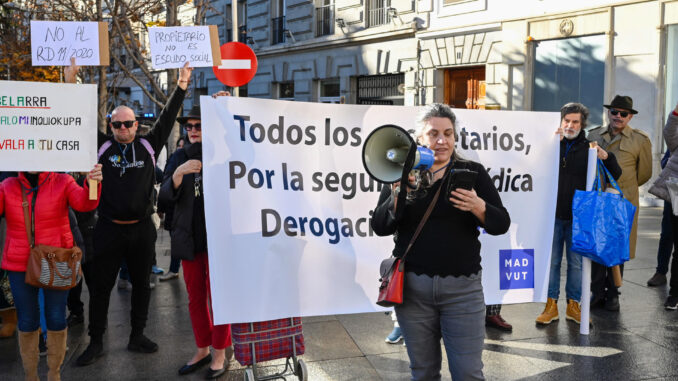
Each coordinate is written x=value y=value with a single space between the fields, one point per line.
x=377 y=12
x=324 y=20
x=277 y=30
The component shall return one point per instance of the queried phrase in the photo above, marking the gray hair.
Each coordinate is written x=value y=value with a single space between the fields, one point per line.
x=435 y=110
x=575 y=108
x=438 y=110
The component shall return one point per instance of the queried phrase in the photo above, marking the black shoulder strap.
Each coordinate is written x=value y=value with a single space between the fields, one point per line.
x=424 y=219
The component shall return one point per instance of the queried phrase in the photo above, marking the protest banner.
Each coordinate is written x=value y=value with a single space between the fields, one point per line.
x=42 y=129
x=53 y=43
x=288 y=204
x=172 y=46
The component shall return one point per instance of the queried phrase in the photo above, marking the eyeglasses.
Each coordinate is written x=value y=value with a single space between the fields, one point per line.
x=190 y=126
x=623 y=114
x=127 y=123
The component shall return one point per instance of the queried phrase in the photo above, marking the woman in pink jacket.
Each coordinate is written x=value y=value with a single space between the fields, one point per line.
x=49 y=195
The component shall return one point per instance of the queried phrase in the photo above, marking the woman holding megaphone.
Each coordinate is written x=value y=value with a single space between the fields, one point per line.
x=443 y=294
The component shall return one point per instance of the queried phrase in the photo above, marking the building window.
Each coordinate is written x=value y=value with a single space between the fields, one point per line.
x=242 y=22
x=242 y=33
x=571 y=70
x=286 y=91
x=377 y=12
x=277 y=30
x=242 y=91
x=329 y=91
x=197 y=93
x=324 y=18
x=278 y=26
x=381 y=89
x=458 y=7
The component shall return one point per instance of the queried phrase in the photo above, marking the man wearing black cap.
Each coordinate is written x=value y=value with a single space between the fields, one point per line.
x=124 y=229
x=633 y=150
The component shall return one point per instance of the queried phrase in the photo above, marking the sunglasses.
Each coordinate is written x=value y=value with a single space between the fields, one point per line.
x=623 y=114
x=190 y=126
x=127 y=124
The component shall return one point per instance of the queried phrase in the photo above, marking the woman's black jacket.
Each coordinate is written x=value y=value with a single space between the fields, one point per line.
x=182 y=244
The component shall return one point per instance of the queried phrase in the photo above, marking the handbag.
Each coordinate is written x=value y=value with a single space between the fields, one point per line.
x=601 y=222
x=49 y=267
x=392 y=269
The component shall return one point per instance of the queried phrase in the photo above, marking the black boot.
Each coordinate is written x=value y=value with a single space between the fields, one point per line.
x=94 y=350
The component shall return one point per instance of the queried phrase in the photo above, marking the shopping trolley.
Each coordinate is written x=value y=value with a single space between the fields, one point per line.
x=270 y=340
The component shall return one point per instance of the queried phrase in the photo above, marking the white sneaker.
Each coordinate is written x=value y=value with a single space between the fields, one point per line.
x=169 y=276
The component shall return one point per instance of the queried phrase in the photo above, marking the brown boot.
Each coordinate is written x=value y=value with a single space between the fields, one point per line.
x=56 y=350
x=550 y=312
x=8 y=323
x=573 y=311
x=28 y=345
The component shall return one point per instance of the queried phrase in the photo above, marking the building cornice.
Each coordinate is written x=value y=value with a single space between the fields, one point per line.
x=361 y=37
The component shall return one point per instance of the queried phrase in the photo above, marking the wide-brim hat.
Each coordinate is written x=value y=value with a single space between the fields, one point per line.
x=622 y=101
x=193 y=114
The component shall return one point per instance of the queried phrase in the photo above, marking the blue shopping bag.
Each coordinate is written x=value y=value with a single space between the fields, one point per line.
x=601 y=222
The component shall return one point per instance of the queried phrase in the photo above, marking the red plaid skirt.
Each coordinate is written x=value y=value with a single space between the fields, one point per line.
x=272 y=340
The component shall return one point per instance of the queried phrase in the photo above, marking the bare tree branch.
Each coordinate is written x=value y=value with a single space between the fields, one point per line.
x=138 y=82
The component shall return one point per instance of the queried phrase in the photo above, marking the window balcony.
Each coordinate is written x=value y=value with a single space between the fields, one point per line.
x=324 y=20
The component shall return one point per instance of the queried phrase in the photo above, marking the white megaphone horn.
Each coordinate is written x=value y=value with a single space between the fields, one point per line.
x=385 y=154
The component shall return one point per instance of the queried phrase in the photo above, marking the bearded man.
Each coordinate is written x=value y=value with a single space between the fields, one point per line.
x=574 y=148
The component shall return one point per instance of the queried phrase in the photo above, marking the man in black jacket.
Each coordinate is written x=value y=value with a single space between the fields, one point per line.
x=125 y=229
x=572 y=172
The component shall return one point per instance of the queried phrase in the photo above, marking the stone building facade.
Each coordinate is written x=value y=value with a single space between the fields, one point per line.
x=494 y=54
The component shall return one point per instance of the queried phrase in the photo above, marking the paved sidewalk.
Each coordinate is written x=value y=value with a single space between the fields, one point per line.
x=639 y=343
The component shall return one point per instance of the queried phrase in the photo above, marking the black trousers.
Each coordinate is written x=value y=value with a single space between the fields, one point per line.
x=135 y=243
x=673 y=283
x=75 y=305
x=602 y=282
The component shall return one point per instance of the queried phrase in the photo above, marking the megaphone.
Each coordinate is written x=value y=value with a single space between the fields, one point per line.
x=386 y=150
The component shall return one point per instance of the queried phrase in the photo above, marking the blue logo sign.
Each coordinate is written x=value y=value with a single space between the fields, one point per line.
x=516 y=269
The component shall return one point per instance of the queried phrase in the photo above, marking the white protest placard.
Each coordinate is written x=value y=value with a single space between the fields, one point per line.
x=172 y=46
x=53 y=43
x=288 y=204
x=42 y=129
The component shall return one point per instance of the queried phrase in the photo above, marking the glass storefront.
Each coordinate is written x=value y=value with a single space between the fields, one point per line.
x=571 y=70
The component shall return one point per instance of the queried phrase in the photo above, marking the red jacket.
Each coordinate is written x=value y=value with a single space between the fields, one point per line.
x=56 y=192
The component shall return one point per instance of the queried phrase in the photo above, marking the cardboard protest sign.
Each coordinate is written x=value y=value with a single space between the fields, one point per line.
x=172 y=46
x=41 y=129
x=53 y=43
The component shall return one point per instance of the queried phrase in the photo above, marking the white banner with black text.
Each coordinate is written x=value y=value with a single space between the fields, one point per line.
x=288 y=204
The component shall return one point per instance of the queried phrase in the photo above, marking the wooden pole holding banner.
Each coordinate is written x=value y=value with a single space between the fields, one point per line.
x=586 y=263
x=93 y=189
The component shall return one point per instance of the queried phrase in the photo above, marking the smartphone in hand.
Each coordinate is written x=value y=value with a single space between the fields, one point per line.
x=461 y=178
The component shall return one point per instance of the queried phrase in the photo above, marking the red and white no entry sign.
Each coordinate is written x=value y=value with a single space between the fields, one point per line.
x=238 y=64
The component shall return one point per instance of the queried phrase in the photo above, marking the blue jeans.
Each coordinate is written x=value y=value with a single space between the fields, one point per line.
x=27 y=306
x=562 y=235
x=665 y=240
x=451 y=308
